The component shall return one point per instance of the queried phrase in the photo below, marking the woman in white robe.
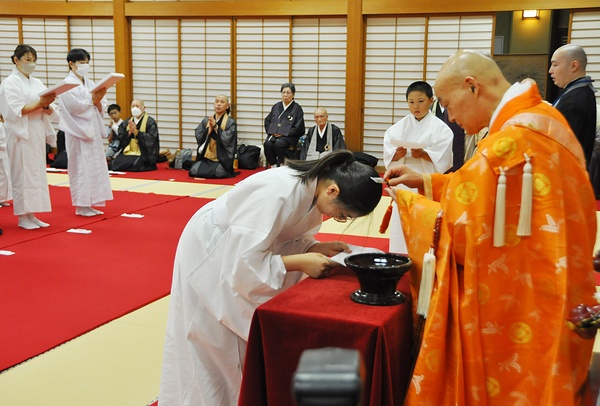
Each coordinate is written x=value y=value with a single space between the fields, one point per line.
x=27 y=124
x=420 y=141
x=239 y=251
x=81 y=119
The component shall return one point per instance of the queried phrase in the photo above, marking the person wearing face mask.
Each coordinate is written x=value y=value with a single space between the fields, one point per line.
x=28 y=127
x=81 y=114
x=139 y=144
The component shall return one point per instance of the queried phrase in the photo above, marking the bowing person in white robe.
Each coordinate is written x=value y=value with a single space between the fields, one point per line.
x=28 y=127
x=421 y=141
x=81 y=119
x=239 y=251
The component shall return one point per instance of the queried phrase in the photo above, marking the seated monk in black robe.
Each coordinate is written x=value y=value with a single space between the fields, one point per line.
x=138 y=142
x=216 y=136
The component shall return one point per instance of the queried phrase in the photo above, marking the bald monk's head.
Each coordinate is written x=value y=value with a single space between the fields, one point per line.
x=470 y=86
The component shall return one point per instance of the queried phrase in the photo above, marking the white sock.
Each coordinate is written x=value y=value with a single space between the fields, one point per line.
x=37 y=221
x=84 y=211
x=27 y=224
x=98 y=212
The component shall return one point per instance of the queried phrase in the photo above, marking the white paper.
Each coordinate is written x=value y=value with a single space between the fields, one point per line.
x=55 y=170
x=60 y=87
x=356 y=249
x=116 y=173
x=410 y=145
x=79 y=231
x=6 y=252
x=108 y=81
x=132 y=215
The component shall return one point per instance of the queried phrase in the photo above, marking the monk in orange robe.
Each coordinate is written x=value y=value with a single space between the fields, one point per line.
x=495 y=332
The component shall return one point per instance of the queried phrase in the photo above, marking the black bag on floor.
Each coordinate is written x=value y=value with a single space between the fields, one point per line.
x=205 y=168
x=248 y=156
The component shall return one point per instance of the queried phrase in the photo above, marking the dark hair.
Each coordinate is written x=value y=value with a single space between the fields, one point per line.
x=21 y=50
x=358 y=192
x=290 y=86
x=78 y=54
x=420 y=86
x=113 y=107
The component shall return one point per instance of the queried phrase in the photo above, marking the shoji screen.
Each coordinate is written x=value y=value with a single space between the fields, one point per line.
x=9 y=39
x=400 y=51
x=96 y=36
x=49 y=38
x=155 y=62
x=394 y=59
x=319 y=67
x=445 y=35
x=585 y=31
x=263 y=65
x=205 y=71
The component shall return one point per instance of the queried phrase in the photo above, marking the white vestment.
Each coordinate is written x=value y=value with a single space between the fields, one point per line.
x=228 y=262
x=437 y=138
x=5 y=184
x=84 y=129
x=26 y=143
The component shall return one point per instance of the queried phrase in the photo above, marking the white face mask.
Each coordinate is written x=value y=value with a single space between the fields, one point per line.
x=83 y=69
x=136 y=112
x=28 y=67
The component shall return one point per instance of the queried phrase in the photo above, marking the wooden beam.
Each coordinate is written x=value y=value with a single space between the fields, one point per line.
x=122 y=41
x=56 y=9
x=403 y=7
x=236 y=8
x=355 y=76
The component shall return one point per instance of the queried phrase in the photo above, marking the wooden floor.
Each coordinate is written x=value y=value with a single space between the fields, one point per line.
x=119 y=363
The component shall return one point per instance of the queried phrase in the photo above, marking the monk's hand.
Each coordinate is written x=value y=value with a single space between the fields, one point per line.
x=98 y=95
x=402 y=175
x=314 y=264
x=47 y=99
x=330 y=248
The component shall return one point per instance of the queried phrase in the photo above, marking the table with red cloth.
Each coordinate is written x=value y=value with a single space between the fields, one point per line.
x=318 y=313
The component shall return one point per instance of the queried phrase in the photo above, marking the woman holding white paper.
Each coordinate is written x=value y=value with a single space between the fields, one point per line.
x=28 y=129
x=82 y=121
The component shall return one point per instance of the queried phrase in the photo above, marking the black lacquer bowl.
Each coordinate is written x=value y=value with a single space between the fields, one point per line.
x=378 y=275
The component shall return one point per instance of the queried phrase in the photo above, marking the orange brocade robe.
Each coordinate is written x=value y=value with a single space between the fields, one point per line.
x=495 y=332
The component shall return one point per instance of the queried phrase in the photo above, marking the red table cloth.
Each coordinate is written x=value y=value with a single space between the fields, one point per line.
x=318 y=313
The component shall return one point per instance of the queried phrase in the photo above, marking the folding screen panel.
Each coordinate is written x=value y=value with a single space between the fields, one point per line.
x=205 y=71
x=585 y=31
x=319 y=67
x=9 y=39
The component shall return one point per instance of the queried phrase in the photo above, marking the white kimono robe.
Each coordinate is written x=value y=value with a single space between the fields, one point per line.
x=5 y=184
x=26 y=143
x=437 y=137
x=228 y=262
x=84 y=129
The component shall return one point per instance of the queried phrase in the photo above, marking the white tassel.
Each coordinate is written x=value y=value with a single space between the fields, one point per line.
x=524 y=227
x=499 y=214
x=426 y=286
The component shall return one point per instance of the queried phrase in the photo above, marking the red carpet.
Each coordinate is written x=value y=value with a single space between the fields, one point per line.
x=60 y=285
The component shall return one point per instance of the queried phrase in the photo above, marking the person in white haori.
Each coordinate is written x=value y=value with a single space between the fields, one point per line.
x=81 y=119
x=28 y=128
x=421 y=141
x=239 y=251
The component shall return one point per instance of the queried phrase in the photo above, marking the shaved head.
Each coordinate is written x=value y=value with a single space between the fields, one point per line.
x=470 y=85
x=567 y=64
